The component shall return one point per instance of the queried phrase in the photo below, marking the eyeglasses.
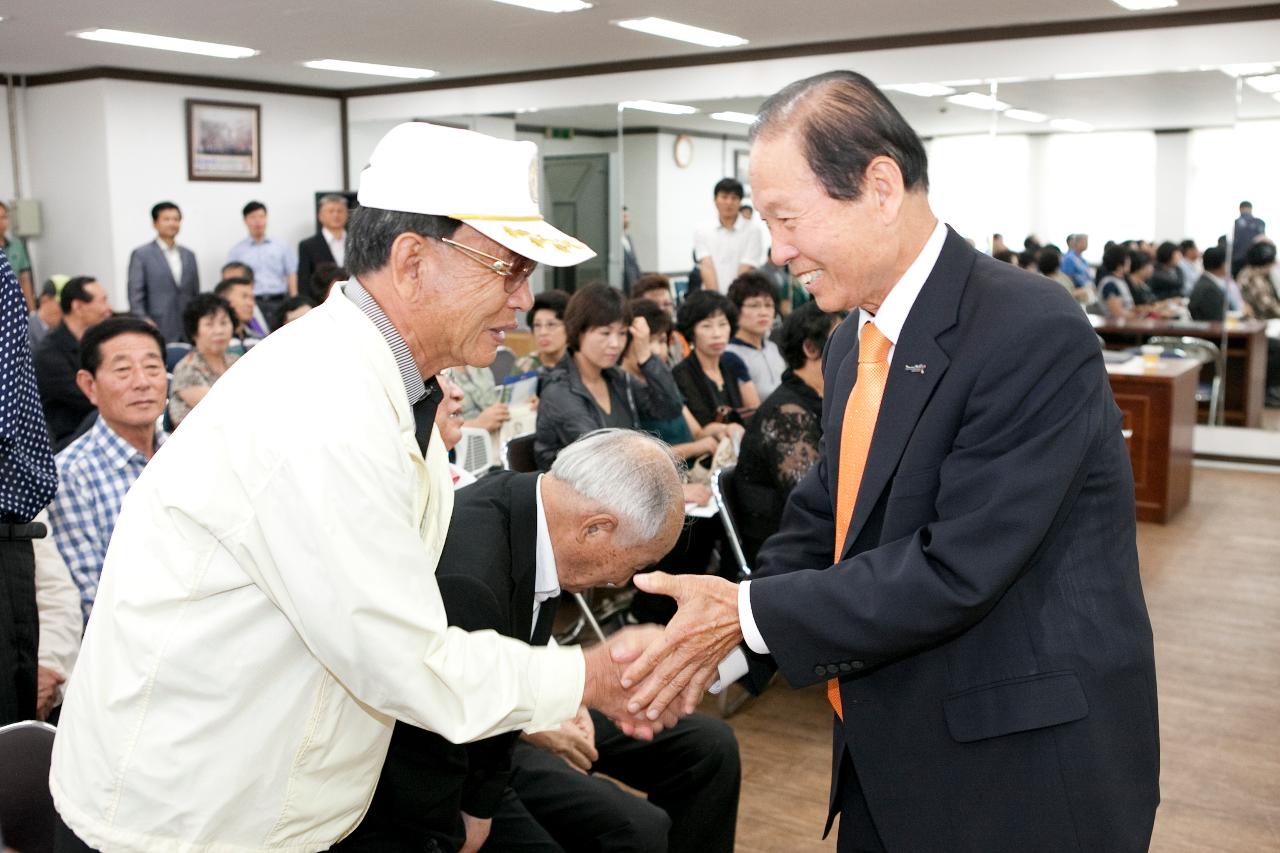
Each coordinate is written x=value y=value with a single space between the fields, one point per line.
x=515 y=272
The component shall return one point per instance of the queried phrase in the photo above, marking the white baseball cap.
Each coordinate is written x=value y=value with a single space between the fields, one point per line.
x=490 y=184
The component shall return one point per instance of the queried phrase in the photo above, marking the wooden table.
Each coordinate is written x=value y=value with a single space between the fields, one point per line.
x=1245 y=385
x=1159 y=406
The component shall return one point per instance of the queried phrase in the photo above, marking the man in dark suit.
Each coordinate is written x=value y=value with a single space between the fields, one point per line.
x=1210 y=297
x=162 y=275
x=630 y=264
x=960 y=566
x=57 y=360
x=326 y=246
x=1245 y=232
x=516 y=543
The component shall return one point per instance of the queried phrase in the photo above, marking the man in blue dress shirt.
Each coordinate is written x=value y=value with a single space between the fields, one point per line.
x=275 y=269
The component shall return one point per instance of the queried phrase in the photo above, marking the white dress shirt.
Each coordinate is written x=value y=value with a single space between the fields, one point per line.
x=729 y=249
x=268 y=608
x=172 y=258
x=889 y=321
x=337 y=244
x=546 y=578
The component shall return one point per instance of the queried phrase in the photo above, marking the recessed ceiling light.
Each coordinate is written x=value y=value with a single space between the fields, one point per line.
x=1242 y=69
x=921 y=90
x=203 y=48
x=1269 y=85
x=1144 y=5
x=681 y=32
x=549 y=5
x=1026 y=115
x=370 y=68
x=977 y=101
x=960 y=84
x=738 y=118
x=658 y=107
x=1070 y=125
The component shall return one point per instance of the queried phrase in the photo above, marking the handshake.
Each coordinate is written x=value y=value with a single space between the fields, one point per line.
x=646 y=677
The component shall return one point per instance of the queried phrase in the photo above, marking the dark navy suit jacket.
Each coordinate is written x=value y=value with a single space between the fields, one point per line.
x=986 y=619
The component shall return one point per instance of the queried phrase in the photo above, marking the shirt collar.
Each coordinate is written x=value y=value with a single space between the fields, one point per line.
x=893 y=312
x=1221 y=282
x=738 y=224
x=117 y=452
x=330 y=237
x=414 y=385
x=546 y=580
x=165 y=248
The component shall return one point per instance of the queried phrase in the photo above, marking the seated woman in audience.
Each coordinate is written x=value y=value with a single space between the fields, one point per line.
x=781 y=443
x=546 y=321
x=1255 y=281
x=1113 y=286
x=208 y=323
x=1147 y=303
x=688 y=439
x=756 y=299
x=714 y=383
x=588 y=390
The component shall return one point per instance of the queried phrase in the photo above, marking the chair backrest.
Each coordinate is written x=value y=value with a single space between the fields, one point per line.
x=26 y=807
x=503 y=362
x=475 y=451
x=1206 y=352
x=722 y=490
x=517 y=454
x=174 y=353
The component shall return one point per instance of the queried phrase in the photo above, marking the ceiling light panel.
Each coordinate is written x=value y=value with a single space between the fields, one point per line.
x=921 y=90
x=977 y=101
x=371 y=68
x=737 y=118
x=1145 y=5
x=658 y=107
x=201 y=48
x=681 y=32
x=1026 y=115
x=549 y=5
x=1268 y=85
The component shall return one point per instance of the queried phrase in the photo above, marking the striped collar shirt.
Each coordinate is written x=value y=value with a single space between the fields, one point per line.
x=94 y=473
x=414 y=386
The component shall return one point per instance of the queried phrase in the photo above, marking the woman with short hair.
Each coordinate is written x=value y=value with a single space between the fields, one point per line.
x=208 y=323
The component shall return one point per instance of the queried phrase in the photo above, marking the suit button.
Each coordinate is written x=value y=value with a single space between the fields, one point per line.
x=819 y=670
x=832 y=669
x=846 y=667
x=857 y=664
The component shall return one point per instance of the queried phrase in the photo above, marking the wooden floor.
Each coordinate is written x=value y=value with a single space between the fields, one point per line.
x=1212 y=581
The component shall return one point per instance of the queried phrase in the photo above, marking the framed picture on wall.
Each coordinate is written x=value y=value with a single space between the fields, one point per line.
x=224 y=141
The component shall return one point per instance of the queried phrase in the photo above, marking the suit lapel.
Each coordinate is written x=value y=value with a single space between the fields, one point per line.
x=161 y=262
x=524 y=539
x=907 y=392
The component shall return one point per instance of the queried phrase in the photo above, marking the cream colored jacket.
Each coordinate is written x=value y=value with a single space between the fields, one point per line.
x=268 y=606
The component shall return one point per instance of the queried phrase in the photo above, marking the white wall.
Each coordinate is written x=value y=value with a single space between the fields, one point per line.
x=66 y=135
x=104 y=151
x=1226 y=167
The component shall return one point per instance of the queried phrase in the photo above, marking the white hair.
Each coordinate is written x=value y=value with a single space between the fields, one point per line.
x=630 y=473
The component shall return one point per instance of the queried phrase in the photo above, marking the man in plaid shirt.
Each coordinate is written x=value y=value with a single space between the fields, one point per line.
x=123 y=374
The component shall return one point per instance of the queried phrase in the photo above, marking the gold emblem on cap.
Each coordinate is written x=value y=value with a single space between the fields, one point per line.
x=533 y=180
x=566 y=245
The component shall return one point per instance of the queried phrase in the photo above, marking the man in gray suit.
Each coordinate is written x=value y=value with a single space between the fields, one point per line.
x=162 y=275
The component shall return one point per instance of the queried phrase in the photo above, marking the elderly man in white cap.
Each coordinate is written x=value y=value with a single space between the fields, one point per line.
x=268 y=605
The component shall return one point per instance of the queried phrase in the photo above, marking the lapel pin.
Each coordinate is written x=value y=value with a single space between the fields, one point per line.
x=915 y=368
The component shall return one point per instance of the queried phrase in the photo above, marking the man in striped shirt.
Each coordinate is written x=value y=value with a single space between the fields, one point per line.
x=123 y=374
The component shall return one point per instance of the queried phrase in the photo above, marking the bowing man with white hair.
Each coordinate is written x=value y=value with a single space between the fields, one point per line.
x=268 y=605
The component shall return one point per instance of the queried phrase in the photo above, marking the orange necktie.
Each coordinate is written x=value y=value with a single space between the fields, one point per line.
x=859 y=424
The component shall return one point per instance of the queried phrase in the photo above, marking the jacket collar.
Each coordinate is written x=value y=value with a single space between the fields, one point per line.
x=935 y=311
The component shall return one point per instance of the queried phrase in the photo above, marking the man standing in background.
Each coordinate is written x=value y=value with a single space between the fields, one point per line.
x=274 y=266
x=18 y=260
x=1247 y=229
x=1074 y=266
x=162 y=275
x=329 y=246
x=732 y=245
